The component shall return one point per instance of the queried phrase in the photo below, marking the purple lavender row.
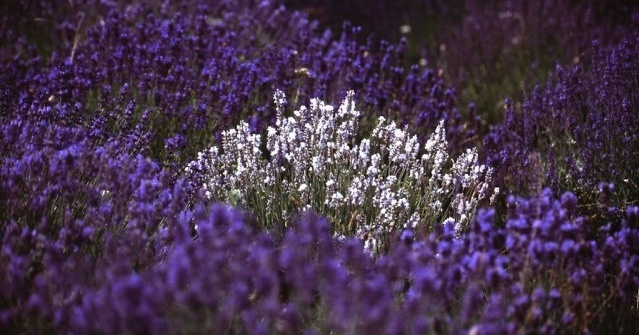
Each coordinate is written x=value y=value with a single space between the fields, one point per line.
x=541 y=273
x=487 y=49
x=181 y=76
x=578 y=132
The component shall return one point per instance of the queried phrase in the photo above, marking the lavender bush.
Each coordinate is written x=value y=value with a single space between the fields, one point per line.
x=69 y=217
x=570 y=134
x=517 y=43
x=542 y=273
x=491 y=49
x=368 y=187
x=184 y=72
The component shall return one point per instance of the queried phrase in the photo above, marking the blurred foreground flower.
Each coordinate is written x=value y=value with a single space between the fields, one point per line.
x=542 y=274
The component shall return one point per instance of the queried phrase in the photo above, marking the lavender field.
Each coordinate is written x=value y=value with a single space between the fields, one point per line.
x=319 y=167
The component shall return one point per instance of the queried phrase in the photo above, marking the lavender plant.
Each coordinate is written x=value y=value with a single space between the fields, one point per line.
x=568 y=134
x=515 y=44
x=488 y=50
x=184 y=72
x=70 y=218
x=542 y=273
x=369 y=187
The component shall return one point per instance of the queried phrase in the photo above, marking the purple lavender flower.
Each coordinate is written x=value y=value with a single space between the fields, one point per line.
x=566 y=135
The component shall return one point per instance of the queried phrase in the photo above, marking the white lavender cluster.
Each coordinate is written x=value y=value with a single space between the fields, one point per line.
x=367 y=187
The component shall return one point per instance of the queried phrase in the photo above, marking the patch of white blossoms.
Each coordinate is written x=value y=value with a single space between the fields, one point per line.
x=367 y=187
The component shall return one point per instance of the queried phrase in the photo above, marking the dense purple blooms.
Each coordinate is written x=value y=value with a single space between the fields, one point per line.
x=191 y=70
x=576 y=133
x=69 y=218
x=542 y=273
x=488 y=49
